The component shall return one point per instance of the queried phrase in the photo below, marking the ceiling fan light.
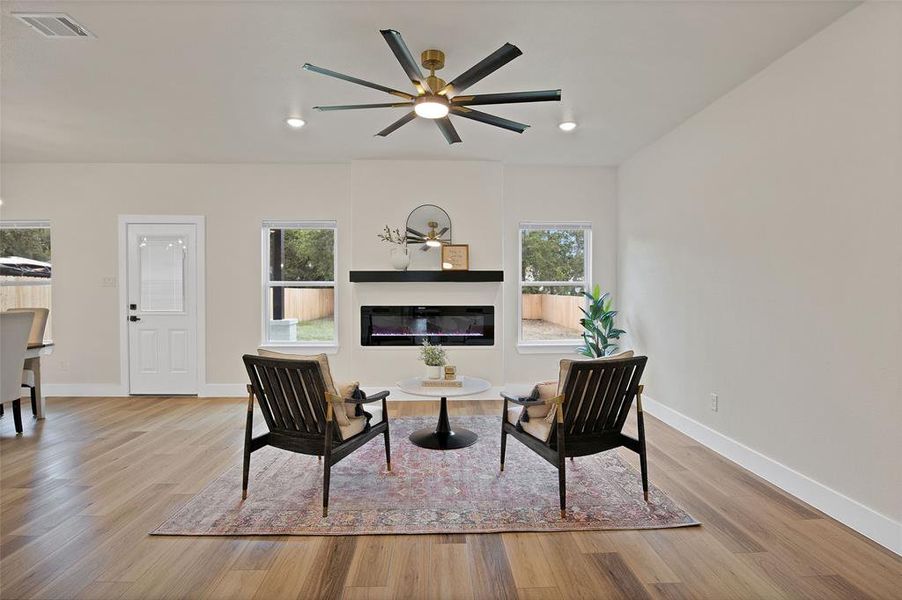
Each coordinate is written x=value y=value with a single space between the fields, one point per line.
x=567 y=126
x=295 y=122
x=433 y=243
x=431 y=107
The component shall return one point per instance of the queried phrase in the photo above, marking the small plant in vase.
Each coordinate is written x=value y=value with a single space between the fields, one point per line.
x=400 y=256
x=435 y=359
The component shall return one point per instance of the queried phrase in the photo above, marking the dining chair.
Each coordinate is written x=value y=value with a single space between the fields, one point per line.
x=35 y=338
x=14 y=328
x=307 y=415
x=580 y=414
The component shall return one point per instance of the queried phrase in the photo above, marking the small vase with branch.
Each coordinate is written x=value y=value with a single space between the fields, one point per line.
x=400 y=256
x=434 y=357
x=600 y=337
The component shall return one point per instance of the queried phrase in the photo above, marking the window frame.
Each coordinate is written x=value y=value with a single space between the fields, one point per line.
x=37 y=281
x=329 y=346
x=553 y=346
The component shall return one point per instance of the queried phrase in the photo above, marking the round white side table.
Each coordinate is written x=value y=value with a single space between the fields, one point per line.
x=443 y=437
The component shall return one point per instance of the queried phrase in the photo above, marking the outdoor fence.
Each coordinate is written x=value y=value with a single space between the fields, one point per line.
x=308 y=304
x=16 y=292
x=552 y=308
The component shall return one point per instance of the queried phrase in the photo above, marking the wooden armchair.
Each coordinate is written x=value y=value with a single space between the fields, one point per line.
x=307 y=416
x=582 y=413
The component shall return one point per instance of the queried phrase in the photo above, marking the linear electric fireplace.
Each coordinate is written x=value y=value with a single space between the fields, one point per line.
x=411 y=325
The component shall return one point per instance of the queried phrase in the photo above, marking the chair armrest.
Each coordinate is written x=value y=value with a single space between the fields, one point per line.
x=380 y=396
x=522 y=401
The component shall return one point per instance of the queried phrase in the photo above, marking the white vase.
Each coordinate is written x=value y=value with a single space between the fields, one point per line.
x=434 y=372
x=400 y=258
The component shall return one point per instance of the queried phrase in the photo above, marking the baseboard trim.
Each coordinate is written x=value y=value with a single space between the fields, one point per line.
x=230 y=390
x=223 y=390
x=864 y=520
x=83 y=389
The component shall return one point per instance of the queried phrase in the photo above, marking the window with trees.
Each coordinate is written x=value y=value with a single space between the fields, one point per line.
x=25 y=267
x=554 y=272
x=299 y=265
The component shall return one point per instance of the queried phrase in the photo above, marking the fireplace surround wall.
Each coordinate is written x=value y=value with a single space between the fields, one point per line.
x=412 y=325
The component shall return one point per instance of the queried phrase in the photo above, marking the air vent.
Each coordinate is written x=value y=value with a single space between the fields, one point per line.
x=54 y=25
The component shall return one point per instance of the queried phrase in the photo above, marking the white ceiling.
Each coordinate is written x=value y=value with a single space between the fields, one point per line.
x=207 y=82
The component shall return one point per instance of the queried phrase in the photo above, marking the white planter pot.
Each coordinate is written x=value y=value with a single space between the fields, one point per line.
x=434 y=372
x=400 y=258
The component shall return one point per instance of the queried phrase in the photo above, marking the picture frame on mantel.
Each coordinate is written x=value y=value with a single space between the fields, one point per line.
x=456 y=257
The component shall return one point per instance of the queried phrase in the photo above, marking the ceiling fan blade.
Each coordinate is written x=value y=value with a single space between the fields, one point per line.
x=447 y=129
x=356 y=106
x=408 y=62
x=424 y=248
x=402 y=121
x=483 y=68
x=441 y=233
x=482 y=117
x=415 y=232
x=508 y=98
x=369 y=84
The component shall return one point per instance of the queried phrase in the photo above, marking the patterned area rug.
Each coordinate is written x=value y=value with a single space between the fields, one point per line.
x=428 y=491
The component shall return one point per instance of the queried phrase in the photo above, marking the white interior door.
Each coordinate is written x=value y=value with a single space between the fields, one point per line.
x=162 y=308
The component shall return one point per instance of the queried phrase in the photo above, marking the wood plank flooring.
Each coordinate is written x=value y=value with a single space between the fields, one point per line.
x=80 y=491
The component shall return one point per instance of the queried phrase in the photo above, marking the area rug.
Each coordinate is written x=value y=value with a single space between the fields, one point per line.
x=427 y=491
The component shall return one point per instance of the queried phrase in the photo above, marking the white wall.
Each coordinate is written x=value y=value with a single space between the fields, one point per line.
x=485 y=200
x=761 y=259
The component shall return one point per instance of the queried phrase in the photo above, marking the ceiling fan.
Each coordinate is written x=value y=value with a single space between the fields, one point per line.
x=435 y=99
x=431 y=239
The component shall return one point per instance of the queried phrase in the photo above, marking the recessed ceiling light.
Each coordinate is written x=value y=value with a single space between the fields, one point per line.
x=295 y=122
x=567 y=126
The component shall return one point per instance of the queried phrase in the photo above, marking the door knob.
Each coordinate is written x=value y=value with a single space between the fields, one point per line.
x=133 y=318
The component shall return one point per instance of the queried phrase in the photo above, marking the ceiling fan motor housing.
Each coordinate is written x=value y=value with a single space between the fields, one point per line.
x=433 y=59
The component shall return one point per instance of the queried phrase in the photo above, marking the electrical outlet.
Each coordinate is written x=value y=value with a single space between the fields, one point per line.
x=108 y=282
x=64 y=365
x=714 y=402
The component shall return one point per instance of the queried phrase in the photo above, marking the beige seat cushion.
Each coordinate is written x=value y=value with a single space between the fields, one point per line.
x=537 y=428
x=541 y=417
x=357 y=424
x=343 y=412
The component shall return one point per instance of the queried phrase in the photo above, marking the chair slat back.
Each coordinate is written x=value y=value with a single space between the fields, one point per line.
x=291 y=394
x=598 y=395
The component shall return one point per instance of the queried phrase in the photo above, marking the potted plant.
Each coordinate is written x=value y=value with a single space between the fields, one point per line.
x=600 y=336
x=400 y=256
x=434 y=358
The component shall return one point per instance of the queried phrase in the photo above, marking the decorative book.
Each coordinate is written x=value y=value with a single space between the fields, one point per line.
x=451 y=383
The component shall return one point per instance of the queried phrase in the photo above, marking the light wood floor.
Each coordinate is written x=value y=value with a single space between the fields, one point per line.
x=81 y=490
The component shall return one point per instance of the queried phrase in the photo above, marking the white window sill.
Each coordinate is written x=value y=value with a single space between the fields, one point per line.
x=549 y=348
x=301 y=348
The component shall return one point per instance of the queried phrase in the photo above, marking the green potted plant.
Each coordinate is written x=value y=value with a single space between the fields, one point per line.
x=434 y=358
x=600 y=337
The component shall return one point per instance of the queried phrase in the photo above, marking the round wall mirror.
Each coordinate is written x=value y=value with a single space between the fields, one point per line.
x=428 y=226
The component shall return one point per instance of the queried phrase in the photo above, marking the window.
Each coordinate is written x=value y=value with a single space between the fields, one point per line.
x=25 y=267
x=299 y=264
x=554 y=272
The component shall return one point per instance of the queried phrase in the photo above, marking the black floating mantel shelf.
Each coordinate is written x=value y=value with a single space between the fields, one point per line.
x=425 y=276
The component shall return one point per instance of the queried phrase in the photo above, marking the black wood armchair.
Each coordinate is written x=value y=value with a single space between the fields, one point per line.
x=305 y=416
x=581 y=414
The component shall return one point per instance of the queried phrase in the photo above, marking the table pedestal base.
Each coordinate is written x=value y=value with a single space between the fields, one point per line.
x=443 y=437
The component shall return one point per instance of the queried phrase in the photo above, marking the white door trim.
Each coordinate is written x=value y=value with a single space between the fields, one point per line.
x=199 y=222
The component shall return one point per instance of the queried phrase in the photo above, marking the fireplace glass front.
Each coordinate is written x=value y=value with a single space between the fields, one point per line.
x=411 y=325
